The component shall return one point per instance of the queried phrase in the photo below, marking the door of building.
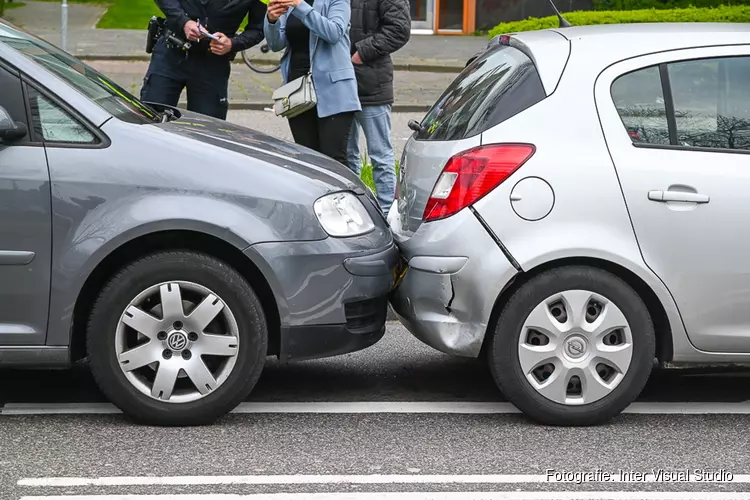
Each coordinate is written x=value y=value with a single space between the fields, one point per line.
x=422 y=16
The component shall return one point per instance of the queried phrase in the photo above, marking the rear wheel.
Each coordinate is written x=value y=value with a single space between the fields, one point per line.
x=177 y=338
x=573 y=346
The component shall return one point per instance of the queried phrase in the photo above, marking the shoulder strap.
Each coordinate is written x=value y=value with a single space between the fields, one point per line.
x=315 y=47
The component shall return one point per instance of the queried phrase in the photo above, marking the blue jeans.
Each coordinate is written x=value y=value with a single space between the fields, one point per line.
x=376 y=123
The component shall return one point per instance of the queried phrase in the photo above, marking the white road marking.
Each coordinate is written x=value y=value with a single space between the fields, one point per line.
x=450 y=407
x=505 y=495
x=381 y=479
x=58 y=408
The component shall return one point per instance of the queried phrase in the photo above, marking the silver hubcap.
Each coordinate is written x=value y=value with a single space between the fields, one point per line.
x=177 y=342
x=575 y=347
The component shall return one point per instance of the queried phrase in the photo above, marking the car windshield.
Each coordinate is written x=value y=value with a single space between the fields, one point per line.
x=83 y=78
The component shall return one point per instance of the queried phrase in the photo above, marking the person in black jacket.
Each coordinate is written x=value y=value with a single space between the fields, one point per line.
x=378 y=28
x=205 y=68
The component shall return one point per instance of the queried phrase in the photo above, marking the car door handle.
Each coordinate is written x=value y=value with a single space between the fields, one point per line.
x=665 y=196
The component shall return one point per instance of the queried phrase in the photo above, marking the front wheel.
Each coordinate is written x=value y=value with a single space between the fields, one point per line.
x=573 y=346
x=257 y=64
x=177 y=338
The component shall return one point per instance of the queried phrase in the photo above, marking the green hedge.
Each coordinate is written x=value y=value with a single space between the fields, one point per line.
x=662 y=4
x=2 y=7
x=727 y=14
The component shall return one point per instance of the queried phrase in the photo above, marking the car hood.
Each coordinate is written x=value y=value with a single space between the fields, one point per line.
x=282 y=154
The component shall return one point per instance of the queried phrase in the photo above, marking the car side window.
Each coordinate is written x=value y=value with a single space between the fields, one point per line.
x=53 y=124
x=705 y=103
x=712 y=102
x=639 y=99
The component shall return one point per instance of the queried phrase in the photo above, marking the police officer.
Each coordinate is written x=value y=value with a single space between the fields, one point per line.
x=204 y=68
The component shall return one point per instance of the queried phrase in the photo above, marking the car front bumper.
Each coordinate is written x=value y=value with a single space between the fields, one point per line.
x=332 y=294
x=456 y=271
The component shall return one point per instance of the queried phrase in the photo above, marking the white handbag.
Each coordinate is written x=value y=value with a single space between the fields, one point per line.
x=297 y=96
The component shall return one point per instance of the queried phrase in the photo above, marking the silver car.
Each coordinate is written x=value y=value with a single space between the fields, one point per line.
x=571 y=209
x=172 y=250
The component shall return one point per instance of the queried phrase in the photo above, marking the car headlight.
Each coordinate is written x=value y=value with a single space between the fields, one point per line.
x=342 y=214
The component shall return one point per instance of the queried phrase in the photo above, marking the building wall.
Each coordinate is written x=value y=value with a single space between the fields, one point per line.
x=490 y=13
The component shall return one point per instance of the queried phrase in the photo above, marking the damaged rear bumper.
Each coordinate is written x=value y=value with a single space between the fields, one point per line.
x=455 y=273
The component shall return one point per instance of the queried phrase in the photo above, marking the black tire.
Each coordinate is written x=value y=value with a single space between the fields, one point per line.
x=503 y=359
x=266 y=70
x=237 y=294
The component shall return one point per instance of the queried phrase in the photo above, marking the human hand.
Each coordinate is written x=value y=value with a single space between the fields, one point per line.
x=288 y=3
x=192 y=32
x=276 y=9
x=356 y=59
x=221 y=46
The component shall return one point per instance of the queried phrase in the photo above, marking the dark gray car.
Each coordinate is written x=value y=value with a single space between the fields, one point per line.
x=173 y=250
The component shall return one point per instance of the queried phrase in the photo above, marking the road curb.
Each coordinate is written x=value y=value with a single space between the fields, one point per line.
x=266 y=105
x=398 y=66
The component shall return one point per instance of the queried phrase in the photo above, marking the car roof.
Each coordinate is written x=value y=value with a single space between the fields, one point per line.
x=657 y=30
x=606 y=44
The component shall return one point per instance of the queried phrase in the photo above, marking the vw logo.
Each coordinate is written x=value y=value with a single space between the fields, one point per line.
x=177 y=341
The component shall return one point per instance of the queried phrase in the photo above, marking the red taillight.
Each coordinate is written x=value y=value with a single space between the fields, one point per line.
x=470 y=175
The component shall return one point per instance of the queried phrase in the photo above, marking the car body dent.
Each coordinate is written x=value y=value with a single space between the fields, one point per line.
x=309 y=278
x=438 y=299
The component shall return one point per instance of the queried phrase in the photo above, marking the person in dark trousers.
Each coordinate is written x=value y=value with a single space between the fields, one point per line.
x=378 y=29
x=314 y=36
x=205 y=68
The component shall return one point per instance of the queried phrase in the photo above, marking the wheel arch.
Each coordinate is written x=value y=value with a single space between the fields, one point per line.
x=659 y=316
x=177 y=239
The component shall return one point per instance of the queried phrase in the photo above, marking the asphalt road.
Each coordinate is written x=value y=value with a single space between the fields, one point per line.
x=318 y=450
x=398 y=420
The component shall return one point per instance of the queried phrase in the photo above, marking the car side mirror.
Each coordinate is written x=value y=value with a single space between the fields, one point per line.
x=9 y=130
x=164 y=108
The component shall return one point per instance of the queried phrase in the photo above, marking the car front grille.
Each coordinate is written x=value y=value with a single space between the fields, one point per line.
x=366 y=316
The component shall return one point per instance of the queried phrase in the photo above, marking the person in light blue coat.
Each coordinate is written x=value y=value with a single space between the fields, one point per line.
x=314 y=35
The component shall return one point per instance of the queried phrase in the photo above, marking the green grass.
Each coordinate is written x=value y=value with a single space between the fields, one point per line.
x=723 y=13
x=7 y=6
x=366 y=175
x=123 y=14
x=129 y=14
x=94 y=2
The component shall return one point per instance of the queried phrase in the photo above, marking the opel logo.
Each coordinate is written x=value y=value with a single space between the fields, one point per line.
x=177 y=341
x=576 y=347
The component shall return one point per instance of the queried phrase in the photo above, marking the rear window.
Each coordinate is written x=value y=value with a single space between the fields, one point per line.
x=499 y=84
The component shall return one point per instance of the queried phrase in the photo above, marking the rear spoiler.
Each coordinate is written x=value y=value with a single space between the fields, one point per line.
x=505 y=39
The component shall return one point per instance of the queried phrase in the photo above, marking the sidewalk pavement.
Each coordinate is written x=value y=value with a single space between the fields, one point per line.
x=415 y=91
x=427 y=53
